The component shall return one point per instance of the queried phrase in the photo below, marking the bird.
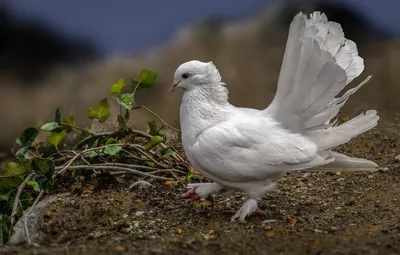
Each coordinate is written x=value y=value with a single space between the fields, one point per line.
x=249 y=150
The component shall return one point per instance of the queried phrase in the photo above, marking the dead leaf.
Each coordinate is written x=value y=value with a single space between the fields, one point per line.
x=119 y=248
x=48 y=214
x=203 y=204
x=193 y=171
x=373 y=229
x=169 y=182
x=269 y=234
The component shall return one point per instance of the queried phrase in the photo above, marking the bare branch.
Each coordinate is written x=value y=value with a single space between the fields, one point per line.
x=16 y=200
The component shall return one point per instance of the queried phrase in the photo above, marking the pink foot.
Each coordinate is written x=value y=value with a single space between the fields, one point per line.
x=191 y=193
x=260 y=212
x=195 y=198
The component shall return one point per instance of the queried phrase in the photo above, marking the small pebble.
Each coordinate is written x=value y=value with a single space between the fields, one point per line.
x=139 y=213
x=341 y=179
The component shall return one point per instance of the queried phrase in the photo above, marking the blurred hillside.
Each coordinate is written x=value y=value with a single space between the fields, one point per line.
x=30 y=50
x=247 y=53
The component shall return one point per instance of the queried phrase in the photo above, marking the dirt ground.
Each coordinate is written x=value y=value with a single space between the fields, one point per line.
x=319 y=213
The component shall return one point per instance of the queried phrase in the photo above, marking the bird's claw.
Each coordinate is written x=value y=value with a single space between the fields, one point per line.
x=260 y=212
x=192 y=194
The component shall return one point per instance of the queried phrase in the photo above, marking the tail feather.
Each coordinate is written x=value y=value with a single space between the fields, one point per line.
x=330 y=138
x=322 y=119
x=343 y=163
x=318 y=64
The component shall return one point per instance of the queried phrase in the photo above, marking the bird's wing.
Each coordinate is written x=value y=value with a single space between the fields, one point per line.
x=245 y=148
x=318 y=63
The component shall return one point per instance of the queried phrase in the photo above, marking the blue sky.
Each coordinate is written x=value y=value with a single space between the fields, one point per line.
x=132 y=25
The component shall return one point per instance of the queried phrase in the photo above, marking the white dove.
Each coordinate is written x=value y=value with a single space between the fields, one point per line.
x=249 y=149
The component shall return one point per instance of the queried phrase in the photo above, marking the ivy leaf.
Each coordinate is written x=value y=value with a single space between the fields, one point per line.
x=126 y=100
x=121 y=122
x=112 y=149
x=26 y=141
x=100 y=110
x=153 y=142
x=94 y=153
x=150 y=163
x=15 y=168
x=50 y=126
x=55 y=138
x=70 y=120
x=34 y=185
x=28 y=136
x=147 y=79
x=116 y=88
x=21 y=152
x=153 y=127
x=12 y=182
x=165 y=152
x=58 y=116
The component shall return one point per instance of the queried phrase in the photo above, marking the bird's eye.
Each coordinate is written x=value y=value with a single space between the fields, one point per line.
x=185 y=75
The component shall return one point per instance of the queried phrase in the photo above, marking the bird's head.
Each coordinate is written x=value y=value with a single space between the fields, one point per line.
x=195 y=73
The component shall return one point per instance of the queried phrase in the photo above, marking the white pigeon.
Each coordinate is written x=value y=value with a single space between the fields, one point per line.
x=249 y=149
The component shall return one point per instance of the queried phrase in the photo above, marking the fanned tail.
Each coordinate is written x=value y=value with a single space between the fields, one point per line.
x=318 y=64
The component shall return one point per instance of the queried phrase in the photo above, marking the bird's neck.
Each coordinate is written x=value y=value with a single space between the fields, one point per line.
x=202 y=108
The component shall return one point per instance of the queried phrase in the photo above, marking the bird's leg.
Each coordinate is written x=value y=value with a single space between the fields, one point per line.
x=248 y=207
x=251 y=203
x=199 y=190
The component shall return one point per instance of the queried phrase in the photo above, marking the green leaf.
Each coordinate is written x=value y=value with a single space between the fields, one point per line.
x=93 y=154
x=153 y=142
x=55 y=138
x=70 y=120
x=121 y=122
x=15 y=168
x=118 y=87
x=147 y=79
x=28 y=136
x=189 y=176
x=26 y=140
x=12 y=182
x=4 y=197
x=153 y=127
x=43 y=167
x=112 y=149
x=50 y=126
x=165 y=152
x=101 y=110
x=21 y=152
x=34 y=185
x=58 y=116
x=126 y=100
x=150 y=163
x=111 y=141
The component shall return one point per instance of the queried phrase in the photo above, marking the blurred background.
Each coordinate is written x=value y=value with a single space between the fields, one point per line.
x=68 y=53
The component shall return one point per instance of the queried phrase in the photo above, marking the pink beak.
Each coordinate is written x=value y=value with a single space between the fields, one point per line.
x=173 y=87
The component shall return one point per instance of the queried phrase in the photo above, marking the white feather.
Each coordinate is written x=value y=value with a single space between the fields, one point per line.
x=249 y=149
